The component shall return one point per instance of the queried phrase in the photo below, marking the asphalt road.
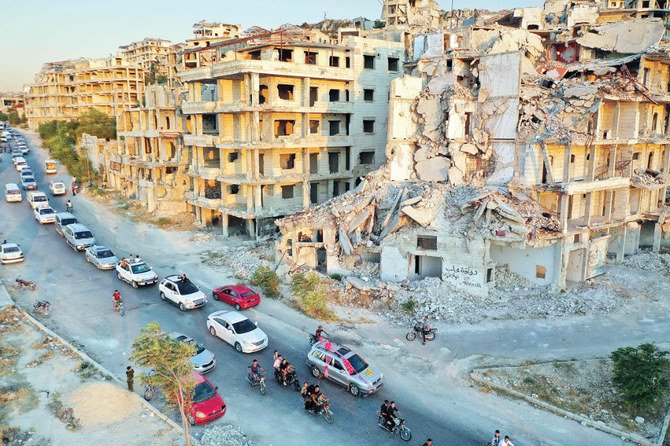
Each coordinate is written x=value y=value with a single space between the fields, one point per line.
x=82 y=310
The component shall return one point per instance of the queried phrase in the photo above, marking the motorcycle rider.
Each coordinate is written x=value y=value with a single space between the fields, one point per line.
x=425 y=329
x=392 y=413
x=116 y=296
x=68 y=206
x=383 y=410
x=255 y=371
x=304 y=392
x=284 y=369
x=315 y=396
x=277 y=364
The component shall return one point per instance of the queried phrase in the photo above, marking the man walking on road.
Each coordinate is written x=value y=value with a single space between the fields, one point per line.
x=74 y=189
x=130 y=378
x=496 y=439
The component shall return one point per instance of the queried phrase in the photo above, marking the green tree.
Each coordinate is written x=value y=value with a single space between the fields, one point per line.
x=266 y=278
x=640 y=375
x=170 y=361
x=96 y=123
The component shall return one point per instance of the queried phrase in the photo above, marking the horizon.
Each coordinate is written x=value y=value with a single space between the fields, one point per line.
x=25 y=24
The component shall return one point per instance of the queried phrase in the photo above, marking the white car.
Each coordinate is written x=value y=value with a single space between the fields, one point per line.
x=203 y=361
x=45 y=215
x=57 y=188
x=10 y=253
x=38 y=199
x=237 y=330
x=136 y=273
x=102 y=257
x=179 y=290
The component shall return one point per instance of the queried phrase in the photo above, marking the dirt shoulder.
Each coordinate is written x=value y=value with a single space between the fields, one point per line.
x=49 y=397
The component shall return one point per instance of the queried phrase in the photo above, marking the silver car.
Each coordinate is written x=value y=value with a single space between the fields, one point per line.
x=101 y=257
x=345 y=368
x=203 y=361
x=62 y=220
x=78 y=236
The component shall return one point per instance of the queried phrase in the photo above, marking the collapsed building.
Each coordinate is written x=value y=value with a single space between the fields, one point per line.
x=532 y=139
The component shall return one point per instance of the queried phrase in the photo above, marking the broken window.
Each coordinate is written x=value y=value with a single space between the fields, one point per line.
x=314 y=163
x=333 y=162
x=314 y=193
x=285 y=55
x=393 y=63
x=310 y=58
x=334 y=95
x=287 y=192
x=489 y=275
x=334 y=61
x=334 y=128
x=636 y=156
x=233 y=189
x=209 y=124
x=368 y=126
x=313 y=126
x=233 y=156
x=263 y=94
x=540 y=271
x=366 y=157
x=254 y=55
x=313 y=95
x=645 y=77
x=368 y=95
x=284 y=127
x=468 y=124
x=287 y=161
x=654 y=123
x=347 y=62
x=285 y=91
x=391 y=9
x=427 y=242
x=572 y=159
x=369 y=62
x=170 y=170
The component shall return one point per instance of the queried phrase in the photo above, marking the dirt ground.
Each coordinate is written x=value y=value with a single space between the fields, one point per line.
x=581 y=387
x=49 y=397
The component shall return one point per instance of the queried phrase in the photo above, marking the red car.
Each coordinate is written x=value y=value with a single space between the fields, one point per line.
x=239 y=296
x=207 y=404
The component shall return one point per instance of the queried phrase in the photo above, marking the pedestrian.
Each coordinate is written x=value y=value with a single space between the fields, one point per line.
x=116 y=296
x=496 y=439
x=507 y=441
x=428 y=442
x=74 y=189
x=130 y=377
x=276 y=355
x=425 y=329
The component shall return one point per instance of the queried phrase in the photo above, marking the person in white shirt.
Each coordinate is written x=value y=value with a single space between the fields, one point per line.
x=507 y=441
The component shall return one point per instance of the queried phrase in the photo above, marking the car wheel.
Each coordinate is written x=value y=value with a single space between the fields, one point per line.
x=215 y=296
x=162 y=296
x=135 y=285
x=212 y=331
x=238 y=347
x=354 y=390
x=316 y=373
x=237 y=307
x=182 y=307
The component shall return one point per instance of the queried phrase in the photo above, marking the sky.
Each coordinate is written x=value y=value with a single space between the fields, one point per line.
x=33 y=32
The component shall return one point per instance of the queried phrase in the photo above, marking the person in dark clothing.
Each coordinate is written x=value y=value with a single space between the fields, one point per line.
x=428 y=442
x=392 y=412
x=130 y=378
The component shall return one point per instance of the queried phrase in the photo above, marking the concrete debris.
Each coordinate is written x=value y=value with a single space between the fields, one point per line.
x=626 y=37
x=648 y=261
x=225 y=435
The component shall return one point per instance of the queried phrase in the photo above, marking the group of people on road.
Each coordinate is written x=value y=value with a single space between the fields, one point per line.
x=313 y=397
x=282 y=367
x=498 y=441
x=389 y=412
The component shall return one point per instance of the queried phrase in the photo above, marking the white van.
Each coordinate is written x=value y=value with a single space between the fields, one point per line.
x=38 y=199
x=20 y=163
x=12 y=192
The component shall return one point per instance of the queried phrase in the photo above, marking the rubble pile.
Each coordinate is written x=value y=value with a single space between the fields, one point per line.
x=649 y=261
x=242 y=259
x=225 y=435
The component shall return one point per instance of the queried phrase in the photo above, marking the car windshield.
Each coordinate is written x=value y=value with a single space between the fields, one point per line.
x=140 y=268
x=104 y=253
x=199 y=348
x=68 y=221
x=357 y=363
x=45 y=211
x=28 y=179
x=244 y=326
x=83 y=234
x=186 y=287
x=247 y=294
x=40 y=198
x=203 y=392
x=58 y=185
x=11 y=249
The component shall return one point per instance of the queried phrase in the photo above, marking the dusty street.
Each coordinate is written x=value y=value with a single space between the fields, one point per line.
x=425 y=382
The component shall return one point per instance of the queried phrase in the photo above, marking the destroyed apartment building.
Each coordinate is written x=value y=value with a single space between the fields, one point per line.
x=539 y=146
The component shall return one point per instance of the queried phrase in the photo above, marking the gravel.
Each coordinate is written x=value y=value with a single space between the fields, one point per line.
x=225 y=435
x=649 y=261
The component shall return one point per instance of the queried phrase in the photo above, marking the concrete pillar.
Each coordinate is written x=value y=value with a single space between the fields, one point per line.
x=565 y=199
x=255 y=89
x=258 y=199
x=305 y=91
x=658 y=233
x=251 y=227
x=566 y=164
x=562 y=259
x=248 y=194
x=587 y=217
x=592 y=164
x=612 y=167
x=622 y=245
x=305 y=194
x=224 y=223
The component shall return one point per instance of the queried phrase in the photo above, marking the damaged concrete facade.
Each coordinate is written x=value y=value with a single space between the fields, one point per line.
x=280 y=124
x=540 y=147
x=64 y=90
x=148 y=163
x=149 y=53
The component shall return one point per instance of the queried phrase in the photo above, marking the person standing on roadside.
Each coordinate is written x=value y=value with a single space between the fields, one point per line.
x=73 y=186
x=130 y=377
x=116 y=296
x=507 y=441
x=496 y=439
x=425 y=329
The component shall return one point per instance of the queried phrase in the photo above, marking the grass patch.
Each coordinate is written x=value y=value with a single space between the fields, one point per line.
x=63 y=413
x=267 y=279
x=312 y=294
x=409 y=306
x=86 y=370
x=336 y=276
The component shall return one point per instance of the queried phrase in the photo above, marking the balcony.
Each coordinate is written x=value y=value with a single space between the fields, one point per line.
x=195 y=199
x=200 y=140
x=206 y=173
x=194 y=108
x=586 y=186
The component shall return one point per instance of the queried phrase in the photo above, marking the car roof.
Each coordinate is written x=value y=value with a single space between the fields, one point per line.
x=231 y=316
x=78 y=227
x=35 y=193
x=238 y=288
x=180 y=336
x=339 y=350
x=65 y=215
x=135 y=261
x=10 y=245
x=174 y=278
x=99 y=247
x=45 y=207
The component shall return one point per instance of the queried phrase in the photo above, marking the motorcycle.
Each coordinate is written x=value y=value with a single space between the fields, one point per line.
x=42 y=307
x=418 y=330
x=399 y=428
x=313 y=340
x=20 y=283
x=149 y=389
x=258 y=382
x=323 y=411
x=291 y=379
x=69 y=208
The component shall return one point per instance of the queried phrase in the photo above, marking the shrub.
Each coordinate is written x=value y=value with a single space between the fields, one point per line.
x=336 y=276
x=312 y=294
x=266 y=278
x=302 y=284
x=640 y=375
x=408 y=306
